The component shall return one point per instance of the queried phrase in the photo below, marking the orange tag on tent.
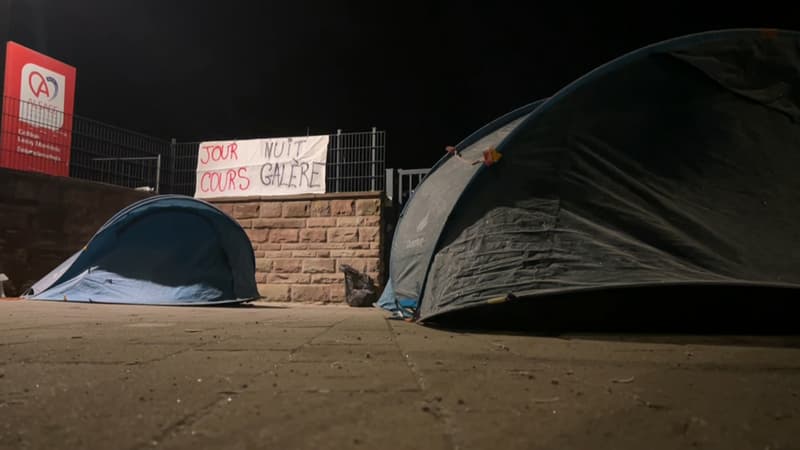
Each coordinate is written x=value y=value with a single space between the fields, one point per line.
x=491 y=156
x=769 y=33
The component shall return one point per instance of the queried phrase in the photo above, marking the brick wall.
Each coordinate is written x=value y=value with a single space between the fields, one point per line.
x=300 y=242
x=45 y=219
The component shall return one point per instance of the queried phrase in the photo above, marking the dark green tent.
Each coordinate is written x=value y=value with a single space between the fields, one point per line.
x=672 y=165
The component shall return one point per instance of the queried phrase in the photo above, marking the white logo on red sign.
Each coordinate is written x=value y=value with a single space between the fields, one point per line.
x=42 y=97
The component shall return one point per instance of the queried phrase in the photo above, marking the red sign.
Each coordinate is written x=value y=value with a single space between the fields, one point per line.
x=38 y=100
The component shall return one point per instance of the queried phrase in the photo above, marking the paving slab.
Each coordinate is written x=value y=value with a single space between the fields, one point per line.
x=311 y=376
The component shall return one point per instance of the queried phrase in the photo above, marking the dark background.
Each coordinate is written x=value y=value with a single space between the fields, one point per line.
x=427 y=73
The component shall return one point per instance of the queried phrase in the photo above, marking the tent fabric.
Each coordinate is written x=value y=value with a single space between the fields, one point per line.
x=165 y=250
x=672 y=165
x=433 y=200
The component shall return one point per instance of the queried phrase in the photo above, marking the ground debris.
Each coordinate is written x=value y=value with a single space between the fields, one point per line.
x=623 y=380
x=522 y=373
x=501 y=347
x=648 y=404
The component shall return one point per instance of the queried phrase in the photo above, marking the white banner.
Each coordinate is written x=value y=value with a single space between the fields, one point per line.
x=256 y=167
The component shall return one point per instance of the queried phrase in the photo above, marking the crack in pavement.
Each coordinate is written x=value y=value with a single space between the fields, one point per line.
x=443 y=415
x=209 y=408
x=186 y=420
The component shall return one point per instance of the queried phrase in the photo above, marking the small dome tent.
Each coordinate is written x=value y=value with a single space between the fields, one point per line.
x=163 y=250
x=672 y=165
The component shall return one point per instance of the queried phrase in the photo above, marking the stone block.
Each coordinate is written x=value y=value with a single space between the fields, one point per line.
x=271 y=209
x=313 y=235
x=369 y=221
x=369 y=234
x=325 y=245
x=280 y=235
x=294 y=247
x=321 y=265
x=245 y=210
x=257 y=235
x=368 y=207
x=310 y=293
x=347 y=221
x=287 y=265
x=277 y=254
x=337 y=293
x=274 y=292
x=359 y=264
x=342 y=207
x=279 y=223
x=320 y=208
x=288 y=278
x=342 y=234
x=321 y=222
x=327 y=278
x=263 y=264
x=296 y=209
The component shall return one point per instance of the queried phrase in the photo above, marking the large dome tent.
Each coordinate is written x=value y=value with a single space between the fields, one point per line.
x=670 y=166
x=430 y=205
x=163 y=250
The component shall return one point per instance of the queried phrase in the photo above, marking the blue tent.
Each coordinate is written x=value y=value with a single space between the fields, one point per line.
x=673 y=165
x=164 y=250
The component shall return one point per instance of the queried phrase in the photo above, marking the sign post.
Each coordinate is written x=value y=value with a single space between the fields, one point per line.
x=38 y=101
x=262 y=167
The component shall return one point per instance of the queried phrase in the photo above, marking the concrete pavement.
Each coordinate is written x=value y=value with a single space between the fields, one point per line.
x=78 y=376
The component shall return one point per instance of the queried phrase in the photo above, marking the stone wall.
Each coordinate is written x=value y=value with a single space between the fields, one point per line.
x=300 y=242
x=45 y=219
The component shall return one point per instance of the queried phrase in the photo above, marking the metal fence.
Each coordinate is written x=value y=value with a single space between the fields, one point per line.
x=108 y=154
x=401 y=183
x=355 y=162
x=32 y=139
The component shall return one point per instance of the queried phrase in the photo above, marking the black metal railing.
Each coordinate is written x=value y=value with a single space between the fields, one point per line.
x=356 y=162
x=41 y=139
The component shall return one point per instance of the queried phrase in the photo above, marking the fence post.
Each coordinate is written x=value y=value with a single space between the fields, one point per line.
x=338 y=159
x=374 y=162
x=400 y=186
x=172 y=153
x=390 y=185
x=158 y=174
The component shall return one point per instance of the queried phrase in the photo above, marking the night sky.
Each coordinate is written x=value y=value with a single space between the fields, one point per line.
x=427 y=73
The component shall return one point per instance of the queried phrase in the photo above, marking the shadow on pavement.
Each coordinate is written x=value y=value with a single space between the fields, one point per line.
x=714 y=315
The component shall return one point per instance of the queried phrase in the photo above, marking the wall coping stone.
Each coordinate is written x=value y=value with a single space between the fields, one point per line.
x=282 y=198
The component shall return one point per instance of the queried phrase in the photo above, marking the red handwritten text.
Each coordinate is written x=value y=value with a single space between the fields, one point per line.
x=225 y=180
x=218 y=153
